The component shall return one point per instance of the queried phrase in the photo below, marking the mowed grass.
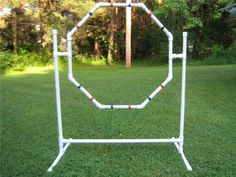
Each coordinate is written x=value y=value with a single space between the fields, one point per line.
x=29 y=129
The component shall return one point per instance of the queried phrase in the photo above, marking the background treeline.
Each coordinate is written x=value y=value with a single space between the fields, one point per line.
x=25 y=36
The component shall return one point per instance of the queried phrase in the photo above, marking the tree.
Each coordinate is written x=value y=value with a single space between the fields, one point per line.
x=21 y=25
x=14 y=30
x=111 y=33
x=194 y=16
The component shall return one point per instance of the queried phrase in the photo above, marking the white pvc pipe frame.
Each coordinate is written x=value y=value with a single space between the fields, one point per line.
x=64 y=143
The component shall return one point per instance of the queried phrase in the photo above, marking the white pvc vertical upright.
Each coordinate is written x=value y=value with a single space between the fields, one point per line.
x=69 y=56
x=170 y=72
x=183 y=87
x=57 y=87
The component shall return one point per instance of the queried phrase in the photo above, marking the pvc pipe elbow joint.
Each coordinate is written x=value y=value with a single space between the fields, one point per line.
x=143 y=6
x=98 y=105
x=98 y=5
x=170 y=77
x=70 y=77
x=69 y=35
x=141 y=106
x=170 y=36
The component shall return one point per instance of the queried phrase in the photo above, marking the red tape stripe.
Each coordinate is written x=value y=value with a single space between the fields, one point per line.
x=129 y=107
x=77 y=26
x=111 y=4
x=162 y=86
x=91 y=99
x=150 y=14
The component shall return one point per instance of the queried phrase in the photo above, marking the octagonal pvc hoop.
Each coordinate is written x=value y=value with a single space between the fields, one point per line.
x=84 y=91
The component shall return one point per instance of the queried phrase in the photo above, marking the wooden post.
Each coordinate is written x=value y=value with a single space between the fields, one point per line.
x=128 y=36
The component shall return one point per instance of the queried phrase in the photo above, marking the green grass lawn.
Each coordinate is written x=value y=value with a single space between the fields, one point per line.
x=29 y=129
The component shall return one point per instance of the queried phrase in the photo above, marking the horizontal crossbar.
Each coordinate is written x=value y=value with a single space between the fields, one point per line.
x=62 y=54
x=180 y=55
x=119 y=141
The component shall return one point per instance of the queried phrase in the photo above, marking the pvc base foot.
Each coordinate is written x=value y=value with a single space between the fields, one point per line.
x=58 y=158
x=187 y=164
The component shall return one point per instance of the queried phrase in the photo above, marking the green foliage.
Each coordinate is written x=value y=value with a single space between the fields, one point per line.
x=220 y=55
x=83 y=59
x=24 y=58
x=179 y=10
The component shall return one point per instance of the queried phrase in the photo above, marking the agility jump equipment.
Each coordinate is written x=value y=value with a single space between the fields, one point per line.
x=64 y=143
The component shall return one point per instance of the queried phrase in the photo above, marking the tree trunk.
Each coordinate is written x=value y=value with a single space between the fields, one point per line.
x=14 y=31
x=116 y=52
x=111 y=32
x=42 y=17
x=97 y=48
x=128 y=36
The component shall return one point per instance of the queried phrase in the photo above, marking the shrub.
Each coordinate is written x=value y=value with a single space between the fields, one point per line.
x=24 y=58
x=220 y=55
x=82 y=59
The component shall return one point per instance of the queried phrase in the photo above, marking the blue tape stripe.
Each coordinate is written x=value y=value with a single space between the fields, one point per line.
x=111 y=106
x=79 y=86
x=90 y=13
x=129 y=5
x=149 y=98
